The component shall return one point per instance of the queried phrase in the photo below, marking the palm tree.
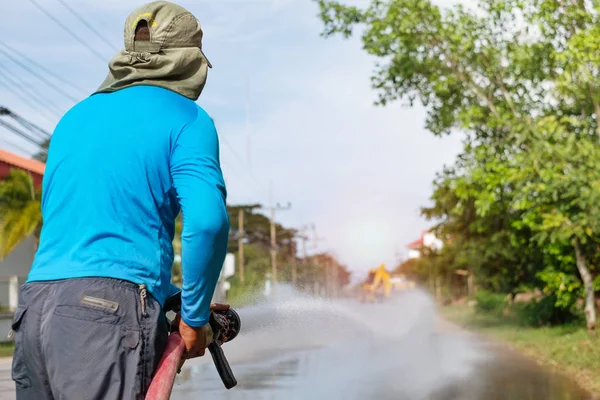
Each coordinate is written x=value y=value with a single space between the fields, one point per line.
x=20 y=213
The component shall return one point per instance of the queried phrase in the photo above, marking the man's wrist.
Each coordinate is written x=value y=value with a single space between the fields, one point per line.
x=194 y=322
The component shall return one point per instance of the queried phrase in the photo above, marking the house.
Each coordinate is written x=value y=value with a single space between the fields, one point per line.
x=10 y=161
x=427 y=239
x=15 y=267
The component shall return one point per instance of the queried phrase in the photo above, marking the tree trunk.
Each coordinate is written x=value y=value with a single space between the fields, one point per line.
x=470 y=285
x=588 y=284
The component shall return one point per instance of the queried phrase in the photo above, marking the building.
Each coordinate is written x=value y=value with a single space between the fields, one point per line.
x=10 y=161
x=15 y=267
x=427 y=239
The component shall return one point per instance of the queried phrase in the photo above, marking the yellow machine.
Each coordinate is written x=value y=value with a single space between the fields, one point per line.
x=377 y=286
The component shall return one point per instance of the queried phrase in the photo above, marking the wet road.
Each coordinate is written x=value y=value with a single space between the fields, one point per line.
x=304 y=349
x=310 y=349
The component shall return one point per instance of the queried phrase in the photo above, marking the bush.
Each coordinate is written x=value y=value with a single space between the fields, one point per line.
x=490 y=303
x=544 y=312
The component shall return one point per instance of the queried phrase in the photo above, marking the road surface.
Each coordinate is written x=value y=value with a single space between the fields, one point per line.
x=302 y=348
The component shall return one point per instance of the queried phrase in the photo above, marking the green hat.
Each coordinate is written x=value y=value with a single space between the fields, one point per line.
x=172 y=58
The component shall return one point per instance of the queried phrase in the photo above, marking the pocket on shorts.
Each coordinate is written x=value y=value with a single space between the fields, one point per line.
x=19 y=366
x=87 y=314
x=88 y=317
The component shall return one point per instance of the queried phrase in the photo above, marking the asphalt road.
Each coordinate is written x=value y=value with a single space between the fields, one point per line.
x=310 y=349
x=302 y=348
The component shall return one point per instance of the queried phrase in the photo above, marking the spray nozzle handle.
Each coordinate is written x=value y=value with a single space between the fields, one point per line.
x=222 y=365
x=225 y=326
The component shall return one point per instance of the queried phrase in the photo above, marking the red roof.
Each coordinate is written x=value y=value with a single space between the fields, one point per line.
x=417 y=244
x=27 y=164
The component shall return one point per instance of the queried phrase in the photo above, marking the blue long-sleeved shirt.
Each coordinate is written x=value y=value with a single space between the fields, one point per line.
x=120 y=168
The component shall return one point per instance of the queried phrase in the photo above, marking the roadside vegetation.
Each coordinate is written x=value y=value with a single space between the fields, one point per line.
x=6 y=349
x=306 y=272
x=519 y=209
x=566 y=348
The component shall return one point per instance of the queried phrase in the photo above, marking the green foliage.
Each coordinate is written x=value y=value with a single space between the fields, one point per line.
x=545 y=312
x=6 y=349
x=490 y=303
x=42 y=155
x=20 y=213
x=564 y=288
x=520 y=79
x=257 y=228
x=257 y=267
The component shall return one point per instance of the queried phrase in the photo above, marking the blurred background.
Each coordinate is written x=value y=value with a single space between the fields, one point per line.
x=413 y=187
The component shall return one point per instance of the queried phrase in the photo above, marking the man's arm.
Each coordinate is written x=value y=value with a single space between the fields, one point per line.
x=200 y=187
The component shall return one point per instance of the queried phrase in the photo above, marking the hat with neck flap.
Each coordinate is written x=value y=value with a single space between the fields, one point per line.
x=170 y=56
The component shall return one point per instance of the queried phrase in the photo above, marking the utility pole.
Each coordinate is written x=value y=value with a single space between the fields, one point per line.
x=274 y=241
x=294 y=268
x=241 y=244
x=273 y=249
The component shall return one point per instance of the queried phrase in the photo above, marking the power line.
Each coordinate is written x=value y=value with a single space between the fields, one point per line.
x=27 y=124
x=41 y=78
x=41 y=67
x=70 y=32
x=33 y=128
x=90 y=27
x=43 y=111
x=22 y=134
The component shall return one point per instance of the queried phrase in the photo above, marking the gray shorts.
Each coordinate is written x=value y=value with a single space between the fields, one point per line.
x=86 y=339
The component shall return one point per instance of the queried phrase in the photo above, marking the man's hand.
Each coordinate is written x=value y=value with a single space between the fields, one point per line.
x=197 y=339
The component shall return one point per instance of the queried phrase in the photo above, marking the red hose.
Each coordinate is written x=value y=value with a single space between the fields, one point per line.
x=162 y=383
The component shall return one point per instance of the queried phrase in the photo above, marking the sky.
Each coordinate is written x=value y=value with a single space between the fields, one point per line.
x=294 y=112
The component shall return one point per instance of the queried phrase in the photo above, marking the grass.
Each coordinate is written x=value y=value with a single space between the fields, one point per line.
x=6 y=349
x=567 y=349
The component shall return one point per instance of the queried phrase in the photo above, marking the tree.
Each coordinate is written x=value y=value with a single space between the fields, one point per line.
x=257 y=244
x=489 y=246
x=557 y=190
x=20 y=214
x=257 y=228
x=518 y=89
x=42 y=154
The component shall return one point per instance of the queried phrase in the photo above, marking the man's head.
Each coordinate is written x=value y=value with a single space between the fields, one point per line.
x=163 y=47
x=142 y=32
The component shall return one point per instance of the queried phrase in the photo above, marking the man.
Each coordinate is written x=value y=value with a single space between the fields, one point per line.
x=121 y=165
